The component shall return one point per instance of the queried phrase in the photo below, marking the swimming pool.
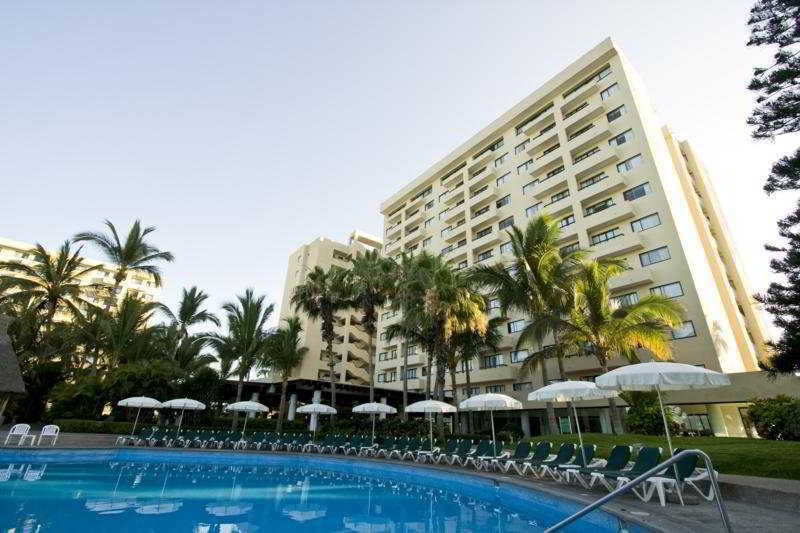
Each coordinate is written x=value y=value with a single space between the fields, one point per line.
x=150 y=490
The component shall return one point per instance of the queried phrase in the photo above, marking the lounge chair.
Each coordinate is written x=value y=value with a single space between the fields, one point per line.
x=521 y=452
x=557 y=471
x=22 y=432
x=412 y=446
x=317 y=447
x=399 y=444
x=617 y=459
x=481 y=450
x=648 y=458
x=666 y=482
x=424 y=447
x=496 y=451
x=461 y=451
x=432 y=455
x=564 y=454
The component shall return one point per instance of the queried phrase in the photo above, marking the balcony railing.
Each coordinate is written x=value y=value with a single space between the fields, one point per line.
x=586 y=155
x=570 y=113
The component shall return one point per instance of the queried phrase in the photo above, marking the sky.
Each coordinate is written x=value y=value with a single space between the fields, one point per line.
x=244 y=129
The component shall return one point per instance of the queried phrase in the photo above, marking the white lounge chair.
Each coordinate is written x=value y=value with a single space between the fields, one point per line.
x=34 y=474
x=50 y=430
x=22 y=431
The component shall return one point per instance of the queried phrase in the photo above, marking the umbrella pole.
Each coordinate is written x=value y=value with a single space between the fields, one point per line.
x=494 y=441
x=135 y=421
x=430 y=420
x=664 y=417
x=180 y=421
x=244 y=426
x=580 y=437
x=373 y=429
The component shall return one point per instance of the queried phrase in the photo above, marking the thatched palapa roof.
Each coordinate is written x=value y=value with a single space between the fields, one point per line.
x=10 y=375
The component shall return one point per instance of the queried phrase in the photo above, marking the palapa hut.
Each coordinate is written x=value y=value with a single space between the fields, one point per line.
x=10 y=375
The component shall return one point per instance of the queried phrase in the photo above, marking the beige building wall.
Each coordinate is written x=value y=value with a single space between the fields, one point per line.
x=352 y=344
x=135 y=283
x=587 y=149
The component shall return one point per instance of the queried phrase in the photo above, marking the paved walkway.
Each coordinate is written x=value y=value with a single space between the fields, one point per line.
x=771 y=505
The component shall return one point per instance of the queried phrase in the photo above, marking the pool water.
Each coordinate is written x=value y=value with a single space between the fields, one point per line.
x=131 y=490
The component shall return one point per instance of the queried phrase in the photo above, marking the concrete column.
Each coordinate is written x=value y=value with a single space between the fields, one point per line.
x=383 y=415
x=605 y=420
x=526 y=424
x=717 y=420
x=314 y=422
x=253 y=398
x=292 y=406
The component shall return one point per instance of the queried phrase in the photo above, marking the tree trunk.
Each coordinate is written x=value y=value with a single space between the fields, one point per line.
x=239 y=387
x=561 y=374
x=405 y=384
x=371 y=352
x=331 y=363
x=551 y=412
x=429 y=365
x=616 y=419
x=282 y=406
x=440 y=381
x=457 y=414
x=468 y=380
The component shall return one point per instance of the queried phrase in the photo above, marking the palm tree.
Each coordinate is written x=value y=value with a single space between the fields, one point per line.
x=246 y=337
x=136 y=254
x=284 y=354
x=321 y=296
x=126 y=334
x=597 y=326
x=536 y=283
x=190 y=311
x=52 y=282
x=400 y=297
x=370 y=283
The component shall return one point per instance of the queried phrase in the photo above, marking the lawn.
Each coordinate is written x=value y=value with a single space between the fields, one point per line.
x=748 y=457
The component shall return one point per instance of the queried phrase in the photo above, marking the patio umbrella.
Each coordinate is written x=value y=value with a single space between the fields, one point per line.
x=660 y=376
x=490 y=402
x=316 y=409
x=374 y=408
x=139 y=402
x=566 y=391
x=247 y=407
x=431 y=406
x=183 y=404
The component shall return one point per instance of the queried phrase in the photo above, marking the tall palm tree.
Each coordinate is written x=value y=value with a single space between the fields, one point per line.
x=135 y=254
x=53 y=282
x=127 y=336
x=370 y=283
x=190 y=311
x=597 y=326
x=247 y=336
x=284 y=354
x=537 y=282
x=400 y=296
x=321 y=296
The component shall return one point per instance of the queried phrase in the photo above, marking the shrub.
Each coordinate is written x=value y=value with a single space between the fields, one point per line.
x=93 y=426
x=776 y=418
x=644 y=414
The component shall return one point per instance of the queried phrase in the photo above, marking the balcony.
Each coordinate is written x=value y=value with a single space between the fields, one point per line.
x=545 y=188
x=540 y=171
x=557 y=208
x=571 y=102
x=454 y=196
x=392 y=231
x=413 y=219
x=482 y=194
x=605 y=156
x=484 y=159
x=416 y=237
x=497 y=373
x=549 y=155
x=624 y=244
x=540 y=122
x=490 y=215
x=630 y=279
x=541 y=141
x=415 y=359
x=589 y=137
x=485 y=177
x=604 y=187
x=568 y=233
x=455 y=213
x=453 y=179
x=456 y=234
x=586 y=112
x=610 y=215
x=488 y=240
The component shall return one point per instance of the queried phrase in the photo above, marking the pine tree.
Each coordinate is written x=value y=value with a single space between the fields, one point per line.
x=777 y=112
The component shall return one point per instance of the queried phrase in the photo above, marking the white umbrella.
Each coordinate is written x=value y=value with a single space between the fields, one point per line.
x=183 y=404
x=490 y=402
x=316 y=409
x=374 y=408
x=139 y=402
x=660 y=376
x=430 y=406
x=566 y=391
x=247 y=407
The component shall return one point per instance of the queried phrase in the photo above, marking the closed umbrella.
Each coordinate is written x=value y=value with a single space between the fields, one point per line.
x=660 y=376
x=430 y=407
x=247 y=407
x=374 y=408
x=183 y=404
x=316 y=409
x=571 y=391
x=139 y=402
x=490 y=402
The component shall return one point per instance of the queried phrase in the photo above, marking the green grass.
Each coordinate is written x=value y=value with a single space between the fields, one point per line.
x=730 y=455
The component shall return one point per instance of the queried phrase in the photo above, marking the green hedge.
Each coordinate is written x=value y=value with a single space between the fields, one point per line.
x=776 y=418
x=93 y=426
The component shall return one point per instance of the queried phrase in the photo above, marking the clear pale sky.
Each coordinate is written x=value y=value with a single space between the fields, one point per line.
x=243 y=129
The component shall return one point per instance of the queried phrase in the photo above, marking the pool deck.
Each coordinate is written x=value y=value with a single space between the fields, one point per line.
x=771 y=505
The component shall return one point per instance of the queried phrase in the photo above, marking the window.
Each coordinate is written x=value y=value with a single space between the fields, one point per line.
x=685 y=330
x=383 y=356
x=599 y=206
x=511 y=270
x=549 y=150
x=614 y=114
x=600 y=238
x=494 y=303
x=506 y=223
x=505 y=178
x=429 y=222
x=698 y=422
x=462 y=264
x=625 y=300
x=491 y=148
x=602 y=73
x=500 y=161
x=559 y=196
x=411 y=349
x=443 y=213
x=566 y=221
x=524 y=124
x=482 y=233
x=476 y=192
x=519 y=356
x=384 y=336
x=532 y=210
x=429 y=205
x=466 y=365
x=609 y=91
x=470 y=391
x=580 y=131
x=481 y=211
x=426 y=242
x=585 y=155
x=650 y=221
x=506 y=248
x=630 y=163
x=391 y=376
x=495 y=388
x=525 y=167
x=411 y=373
x=483 y=256
x=528 y=186
x=516 y=326
x=505 y=200
x=568 y=249
x=446 y=230
x=522 y=386
x=493 y=361
x=426 y=192
x=669 y=290
x=381 y=378
x=621 y=139
x=521 y=146
x=557 y=170
x=588 y=182
x=637 y=192
x=654 y=256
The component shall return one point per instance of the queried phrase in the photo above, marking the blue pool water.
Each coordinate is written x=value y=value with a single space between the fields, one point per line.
x=148 y=490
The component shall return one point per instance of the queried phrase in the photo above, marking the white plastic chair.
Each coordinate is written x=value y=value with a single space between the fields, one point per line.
x=50 y=430
x=18 y=430
x=34 y=474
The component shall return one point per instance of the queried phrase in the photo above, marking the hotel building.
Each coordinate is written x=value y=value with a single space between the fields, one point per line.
x=587 y=149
